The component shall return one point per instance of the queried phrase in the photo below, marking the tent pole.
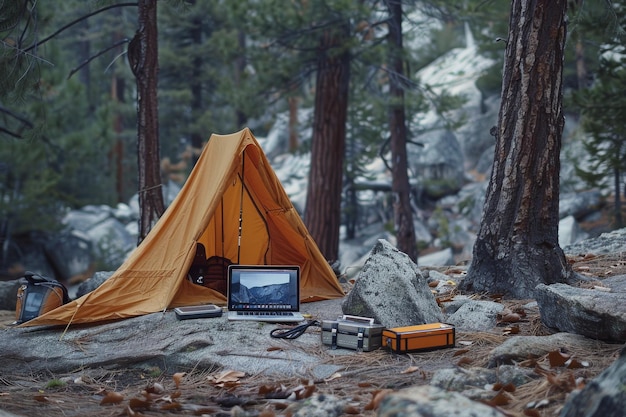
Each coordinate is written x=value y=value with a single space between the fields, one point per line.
x=222 y=201
x=243 y=166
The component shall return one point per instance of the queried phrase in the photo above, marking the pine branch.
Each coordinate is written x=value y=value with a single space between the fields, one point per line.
x=80 y=19
x=91 y=58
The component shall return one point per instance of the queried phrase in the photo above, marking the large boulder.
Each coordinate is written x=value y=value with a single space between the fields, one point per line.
x=392 y=290
x=595 y=313
x=71 y=254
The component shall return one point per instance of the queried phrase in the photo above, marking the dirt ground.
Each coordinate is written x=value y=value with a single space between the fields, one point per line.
x=365 y=379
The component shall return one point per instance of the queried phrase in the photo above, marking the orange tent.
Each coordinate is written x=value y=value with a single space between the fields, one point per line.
x=234 y=205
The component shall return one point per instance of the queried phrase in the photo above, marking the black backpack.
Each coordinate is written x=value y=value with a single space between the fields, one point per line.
x=38 y=295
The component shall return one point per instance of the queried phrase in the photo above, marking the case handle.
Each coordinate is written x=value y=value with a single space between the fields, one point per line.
x=358 y=318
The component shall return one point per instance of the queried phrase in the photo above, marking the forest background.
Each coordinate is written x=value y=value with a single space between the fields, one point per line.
x=68 y=118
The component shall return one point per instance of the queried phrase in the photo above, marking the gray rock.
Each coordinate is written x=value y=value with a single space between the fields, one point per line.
x=392 y=290
x=93 y=283
x=439 y=164
x=579 y=204
x=430 y=401
x=475 y=315
x=111 y=242
x=471 y=381
x=616 y=283
x=592 y=313
x=570 y=231
x=518 y=376
x=8 y=294
x=461 y=379
x=604 y=396
x=519 y=348
x=610 y=242
x=7 y=414
x=440 y=258
x=71 y=254
x=319 y=405
x=451 y=307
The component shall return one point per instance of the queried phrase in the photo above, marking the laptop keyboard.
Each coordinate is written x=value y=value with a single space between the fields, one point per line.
x=265 y=313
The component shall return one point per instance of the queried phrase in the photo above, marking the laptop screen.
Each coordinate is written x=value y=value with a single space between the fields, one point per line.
x=263 y=288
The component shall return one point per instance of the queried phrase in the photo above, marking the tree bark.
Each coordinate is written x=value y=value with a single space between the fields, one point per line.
x=323 y=203
x=400 y=187
x=143 y=58
x=517 y=246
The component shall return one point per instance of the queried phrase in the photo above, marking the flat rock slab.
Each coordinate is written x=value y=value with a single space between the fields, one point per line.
x=159 y=339
x=597 y=314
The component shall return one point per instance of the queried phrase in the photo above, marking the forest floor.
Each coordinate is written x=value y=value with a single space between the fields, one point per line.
x=365 y=379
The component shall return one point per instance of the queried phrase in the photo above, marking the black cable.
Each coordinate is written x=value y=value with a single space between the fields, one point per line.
x=294 y=332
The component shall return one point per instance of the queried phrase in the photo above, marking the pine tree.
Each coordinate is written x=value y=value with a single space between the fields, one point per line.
x=603 y=109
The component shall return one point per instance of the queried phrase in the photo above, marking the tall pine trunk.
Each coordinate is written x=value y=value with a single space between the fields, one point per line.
x=143 y=58
x=400 y=187
x=517 y=246
x=323 y=204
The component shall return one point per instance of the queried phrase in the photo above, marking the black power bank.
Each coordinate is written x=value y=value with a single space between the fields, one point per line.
x=198 y=312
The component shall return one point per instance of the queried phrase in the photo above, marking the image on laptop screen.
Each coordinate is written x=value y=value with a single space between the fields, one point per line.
x=263 y=288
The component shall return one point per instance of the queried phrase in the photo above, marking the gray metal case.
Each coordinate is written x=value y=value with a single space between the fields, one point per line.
x=352 y=332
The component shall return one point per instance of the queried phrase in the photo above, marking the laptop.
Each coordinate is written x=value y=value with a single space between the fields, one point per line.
x=264 y=293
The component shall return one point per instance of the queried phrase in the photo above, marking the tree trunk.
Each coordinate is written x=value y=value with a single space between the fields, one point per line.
x=400 y=187
x=323 y=203
x=617 y=178
x=517 y=246
x=143 y=58
x=293 y=123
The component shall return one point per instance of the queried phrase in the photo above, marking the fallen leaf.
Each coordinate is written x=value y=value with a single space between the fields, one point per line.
x=510 y=330
x=138 y=404
x=377 y=398
x=155 y=388
x=171 y=406
x=433 y=284
x=225 y=377
x=460 y=352
x=350 y=409
x=509 y=318
x=273 y=348
x=305 y=392
x=557 y=358
x=498 y=386
x=112 y=397
x=333 y=376
x=410 y=370
x=500 y=399
x=464 y=361
x=266 y=389
x=178 y=377
x=573 y=363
